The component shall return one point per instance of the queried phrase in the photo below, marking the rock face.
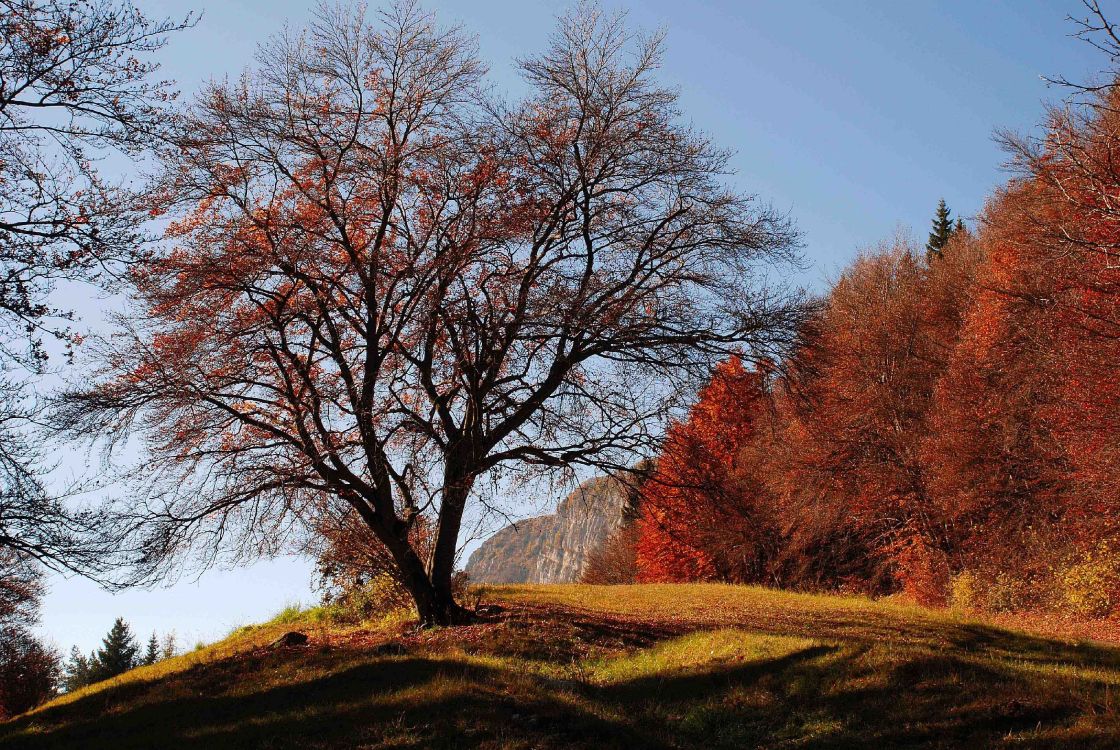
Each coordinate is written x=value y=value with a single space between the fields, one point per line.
x=552 y=548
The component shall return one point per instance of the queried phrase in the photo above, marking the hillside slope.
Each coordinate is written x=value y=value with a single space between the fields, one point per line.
x=552 y=548
x=634 y=667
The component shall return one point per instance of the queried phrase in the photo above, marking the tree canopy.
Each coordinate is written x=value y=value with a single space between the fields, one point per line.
x=382 y=285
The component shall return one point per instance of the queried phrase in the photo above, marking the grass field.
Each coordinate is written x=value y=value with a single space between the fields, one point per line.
x=593 y=667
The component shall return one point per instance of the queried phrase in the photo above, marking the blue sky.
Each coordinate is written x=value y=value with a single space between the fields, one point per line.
x=853 y=116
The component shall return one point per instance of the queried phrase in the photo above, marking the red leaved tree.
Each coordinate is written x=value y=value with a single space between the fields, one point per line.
x=846 y=463
x=699 y=519
x=1024 y=448
x=994 y=465
x=1070 y=235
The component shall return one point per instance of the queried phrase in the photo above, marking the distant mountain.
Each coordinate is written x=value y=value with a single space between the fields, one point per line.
x=552 y=548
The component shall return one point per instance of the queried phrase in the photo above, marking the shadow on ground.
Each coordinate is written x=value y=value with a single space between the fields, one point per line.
x=951 y=688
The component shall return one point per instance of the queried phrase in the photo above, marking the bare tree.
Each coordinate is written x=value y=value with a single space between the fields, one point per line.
x=383 y=286
x=21 y=587
x=615 y=561
x=1076 y=154
x=1096 y=30
x=76 y=83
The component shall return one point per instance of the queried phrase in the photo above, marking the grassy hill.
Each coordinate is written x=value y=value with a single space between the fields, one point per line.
x=583 y=666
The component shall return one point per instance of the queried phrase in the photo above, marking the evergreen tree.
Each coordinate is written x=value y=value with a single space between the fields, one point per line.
x=151 y=656
x=78 y=670
x=959 y=226
x=117 y=653
x=942 y=230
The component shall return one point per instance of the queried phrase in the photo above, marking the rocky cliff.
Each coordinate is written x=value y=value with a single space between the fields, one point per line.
x=552 y=548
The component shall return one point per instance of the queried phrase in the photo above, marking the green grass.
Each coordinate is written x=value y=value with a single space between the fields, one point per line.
x=289 y=615
x=628 y=667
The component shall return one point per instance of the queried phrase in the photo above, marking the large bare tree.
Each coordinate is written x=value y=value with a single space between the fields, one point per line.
x=382 y=286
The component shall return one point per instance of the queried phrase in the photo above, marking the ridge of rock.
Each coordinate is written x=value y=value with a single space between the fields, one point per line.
x=552 y=548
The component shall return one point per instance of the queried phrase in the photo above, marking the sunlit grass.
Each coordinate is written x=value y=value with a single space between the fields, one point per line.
x=691 y=652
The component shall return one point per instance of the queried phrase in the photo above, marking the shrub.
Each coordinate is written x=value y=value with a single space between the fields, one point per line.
x=357 y=575
x=615 y=560
x=923 y=572
x=965 y=591
x=1006 y=593
x=1091 y=586
x=379 y=596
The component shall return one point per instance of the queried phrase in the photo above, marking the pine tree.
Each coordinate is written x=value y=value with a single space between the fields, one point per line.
x=151 y=656
x=959 y=226
x=942 y=230
x=117 y=653
x=78 y=672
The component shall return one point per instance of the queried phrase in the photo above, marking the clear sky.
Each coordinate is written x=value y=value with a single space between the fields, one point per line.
x=854 y=116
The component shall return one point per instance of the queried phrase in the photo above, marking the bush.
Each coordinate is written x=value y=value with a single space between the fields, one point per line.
x=983 y=589
x=965 y=592
x=379 y=596
x=1091 y=586
x=1008 y=593
x=615 y=560
x=923 y=572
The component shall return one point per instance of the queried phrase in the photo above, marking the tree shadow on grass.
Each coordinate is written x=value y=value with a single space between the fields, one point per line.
x=848 y=697
x=399 y=703
x=1035 y=649
x=543 y=634
x=873 y=627
x=858 y=692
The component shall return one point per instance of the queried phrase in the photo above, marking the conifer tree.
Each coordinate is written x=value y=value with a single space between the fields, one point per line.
x=78 y=671
x=942 y=230
x=117 y=653
x=151 y=655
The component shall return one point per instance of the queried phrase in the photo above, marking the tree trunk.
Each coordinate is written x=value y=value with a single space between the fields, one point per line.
x=434 y=599
x=429 y=586
x=446 y=545
x=435 y=605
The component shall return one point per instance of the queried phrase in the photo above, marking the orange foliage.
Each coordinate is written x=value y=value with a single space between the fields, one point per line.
x=862 y=383
x=945 y=420
x=821 y=484
x=698 y=521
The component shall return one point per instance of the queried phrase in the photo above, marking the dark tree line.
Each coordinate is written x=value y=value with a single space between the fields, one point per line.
x=118 y=653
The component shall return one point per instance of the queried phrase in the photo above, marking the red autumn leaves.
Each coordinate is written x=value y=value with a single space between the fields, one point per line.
x=698 y=478
x=940 y=418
